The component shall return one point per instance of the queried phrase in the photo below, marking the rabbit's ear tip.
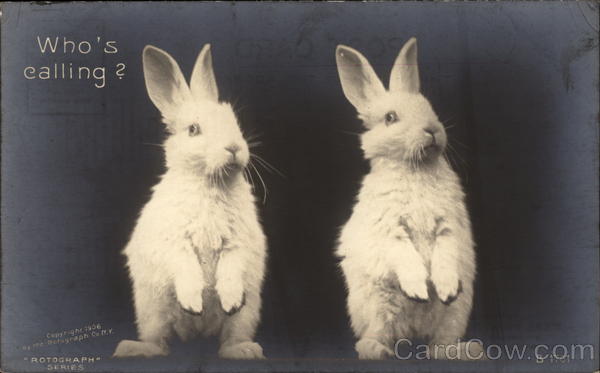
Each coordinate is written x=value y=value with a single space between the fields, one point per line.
x=151 y=49
x=342 y=49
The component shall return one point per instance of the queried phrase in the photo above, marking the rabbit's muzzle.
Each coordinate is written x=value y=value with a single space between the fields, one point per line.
x=434 y=141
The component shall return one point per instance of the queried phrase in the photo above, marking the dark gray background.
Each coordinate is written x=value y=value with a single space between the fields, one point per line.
x=517 y=83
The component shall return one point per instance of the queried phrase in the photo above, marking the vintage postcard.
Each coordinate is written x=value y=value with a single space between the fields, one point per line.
x=291 y=187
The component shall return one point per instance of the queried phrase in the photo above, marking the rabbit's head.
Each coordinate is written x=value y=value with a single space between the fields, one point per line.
x=401 y=124
x=204 y=136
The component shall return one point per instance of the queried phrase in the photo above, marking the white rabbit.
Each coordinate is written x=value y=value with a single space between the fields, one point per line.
x=407 y=251
x=197 y=255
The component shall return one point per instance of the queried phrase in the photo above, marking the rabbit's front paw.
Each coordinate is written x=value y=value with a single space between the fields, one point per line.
x=189 y=297
x=447 y=285
x=232 y=297
x=413 y=282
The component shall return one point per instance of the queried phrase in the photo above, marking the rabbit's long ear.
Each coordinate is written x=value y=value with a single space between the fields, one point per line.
x=203 y=83
x=405 y=73
x=165 y=83
x=359 y=81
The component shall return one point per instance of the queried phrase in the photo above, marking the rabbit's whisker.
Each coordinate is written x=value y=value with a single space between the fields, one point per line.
x=421 y=153
x=222 y=178
x=238 y=109
x=412 y=160
x=450 y=160
x=245 y=176
x=269 y=167
x=456 y=153
x=464 y=166
x=149 y=143
x=258 y=161
x=254 y=144
x=235 y=105
x=249 y=178
x=453 y=154
x=253 y=136
x=265 y=192
x=252 y=179
x=460 y=143
x=450 y=118
x=350 y=133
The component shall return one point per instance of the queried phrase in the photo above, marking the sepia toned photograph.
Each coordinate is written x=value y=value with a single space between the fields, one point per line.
x=300 y=186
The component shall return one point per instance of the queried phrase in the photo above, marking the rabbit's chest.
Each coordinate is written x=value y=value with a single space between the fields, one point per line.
x=419 y=215
x=207 y=231
x=207 y=228
x=415 y=214
x=418 y=221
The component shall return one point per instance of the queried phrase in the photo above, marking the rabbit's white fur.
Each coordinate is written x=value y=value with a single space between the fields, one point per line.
x=407 y=251
x=196 y=256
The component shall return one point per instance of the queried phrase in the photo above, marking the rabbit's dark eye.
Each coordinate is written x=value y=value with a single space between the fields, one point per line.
x=391 y=117
x=194 y=129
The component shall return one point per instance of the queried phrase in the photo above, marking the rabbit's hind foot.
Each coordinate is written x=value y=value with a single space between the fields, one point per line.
x=243 y=350
x=371 y=349
x=466 y=351
x=128 y=348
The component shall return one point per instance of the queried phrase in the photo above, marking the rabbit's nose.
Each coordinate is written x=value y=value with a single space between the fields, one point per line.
x=233 y=148
x=431 y=132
